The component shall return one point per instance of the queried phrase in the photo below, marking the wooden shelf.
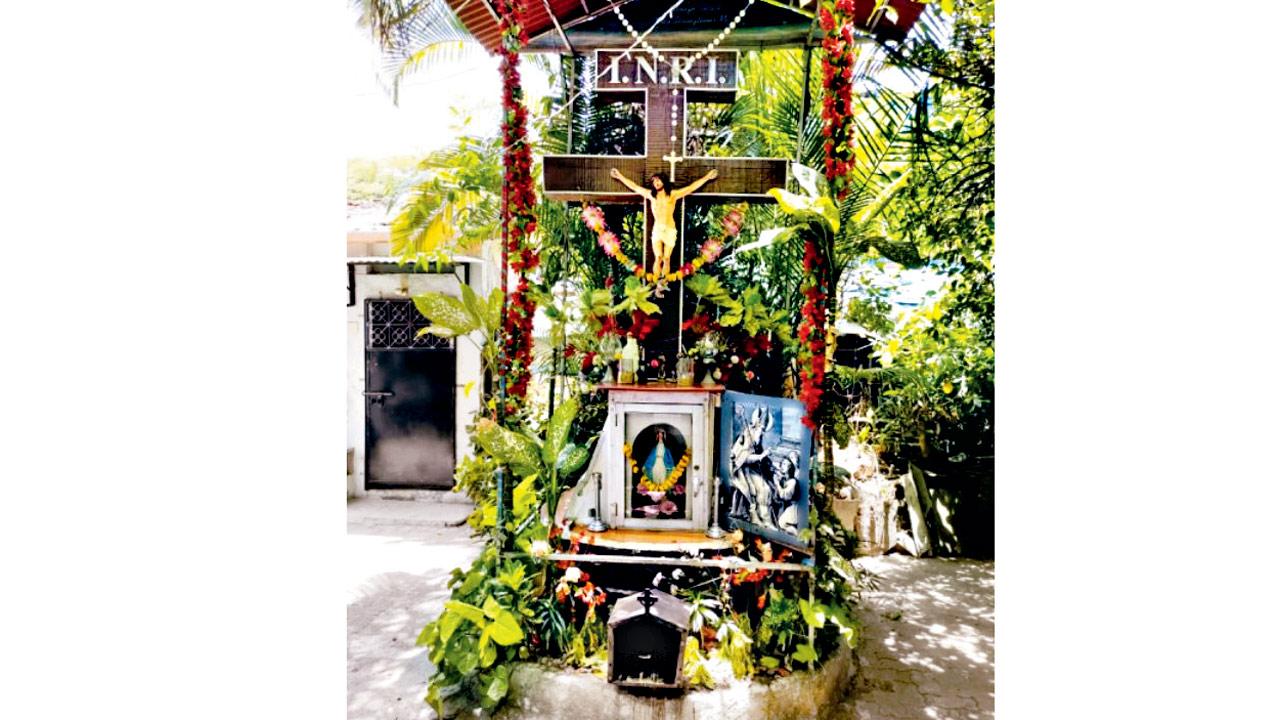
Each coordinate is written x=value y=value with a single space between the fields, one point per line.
x=663 y=387
x=656 y=540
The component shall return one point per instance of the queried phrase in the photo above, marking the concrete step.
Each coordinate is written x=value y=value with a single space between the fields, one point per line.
x=421 y=508
x=428 y=496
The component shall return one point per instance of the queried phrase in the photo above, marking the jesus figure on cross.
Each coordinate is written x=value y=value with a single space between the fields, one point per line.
x=663 y=205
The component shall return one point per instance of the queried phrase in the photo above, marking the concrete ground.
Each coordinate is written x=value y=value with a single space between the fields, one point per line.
x=928 y=643
x=398 y=558
x=927 y=649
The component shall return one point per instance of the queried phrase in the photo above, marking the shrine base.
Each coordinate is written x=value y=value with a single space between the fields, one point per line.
x=539 y=691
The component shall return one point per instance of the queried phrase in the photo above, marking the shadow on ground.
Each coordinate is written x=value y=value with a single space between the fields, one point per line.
x=928 y=643
x=397 y=574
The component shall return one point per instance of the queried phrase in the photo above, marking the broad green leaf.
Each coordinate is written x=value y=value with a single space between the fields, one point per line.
x=847 y=627
x=493 y=313
x=791 y=203
x=491 y=608
x=496 y=688
x=636 y=297
x=488 y=651
x=809 y=180
x=508 y=447
x=524 y=496
x=446 y=312
x=805 y=653
x=820 y=208
x=709 y=287
x=430 y=634
x=512 y=575
x=506 y=629
x=467 y=611
x=558 y=429
x=466 y=389
x=471 y=303
x=769 y=662
x=599 y=301
x=771 y=237
x=472 y=581
x=572 y=458
x=829 y=212
x=733 y=315
x=812 y=615
x=449 y=621
x=466 y=656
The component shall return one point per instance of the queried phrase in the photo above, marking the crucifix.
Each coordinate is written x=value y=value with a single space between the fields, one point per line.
x=662 y=206
x=667 y=80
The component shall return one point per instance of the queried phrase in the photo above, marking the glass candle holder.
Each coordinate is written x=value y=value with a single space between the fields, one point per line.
x=627 y=371
x=685 y=368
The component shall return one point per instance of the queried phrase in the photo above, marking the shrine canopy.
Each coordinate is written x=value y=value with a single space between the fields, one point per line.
x=581 y=25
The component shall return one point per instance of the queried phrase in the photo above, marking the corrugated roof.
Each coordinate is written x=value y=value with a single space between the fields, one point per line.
x=592 y=21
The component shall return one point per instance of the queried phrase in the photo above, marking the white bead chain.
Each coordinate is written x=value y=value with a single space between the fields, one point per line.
x=733 y=25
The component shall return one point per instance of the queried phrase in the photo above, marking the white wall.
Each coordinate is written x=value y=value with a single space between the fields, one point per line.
x=405 y=285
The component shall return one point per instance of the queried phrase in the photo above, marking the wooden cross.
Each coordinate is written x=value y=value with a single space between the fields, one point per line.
x=667 y=81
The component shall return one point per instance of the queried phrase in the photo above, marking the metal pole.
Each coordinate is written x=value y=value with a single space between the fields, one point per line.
x=804 y=104
x=499 y=526
x=551 y=391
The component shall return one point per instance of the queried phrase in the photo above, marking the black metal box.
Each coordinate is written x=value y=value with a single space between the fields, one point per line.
x=647 y=633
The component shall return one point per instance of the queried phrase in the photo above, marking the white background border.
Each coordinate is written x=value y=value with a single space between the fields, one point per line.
x=172 y=457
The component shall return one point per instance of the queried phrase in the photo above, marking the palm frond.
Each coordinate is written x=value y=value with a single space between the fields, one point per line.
x=414 y=36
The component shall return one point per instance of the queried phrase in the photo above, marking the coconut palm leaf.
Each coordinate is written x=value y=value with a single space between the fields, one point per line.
x=414 y=35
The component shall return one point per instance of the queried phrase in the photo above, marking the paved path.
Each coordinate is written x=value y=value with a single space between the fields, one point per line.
x=398 y=557
x=936 y=660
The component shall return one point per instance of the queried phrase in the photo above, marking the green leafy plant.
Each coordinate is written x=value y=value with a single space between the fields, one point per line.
x=480 y=631
x=734 y=645
x=635 y=296
x=779 y=630
x=745 y=308
x=550 y=458
x=464 y=317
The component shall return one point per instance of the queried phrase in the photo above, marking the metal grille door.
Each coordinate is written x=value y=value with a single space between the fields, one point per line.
x=409 y=399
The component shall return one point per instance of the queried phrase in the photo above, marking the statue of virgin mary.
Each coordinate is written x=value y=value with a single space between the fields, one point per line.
x=659 y=463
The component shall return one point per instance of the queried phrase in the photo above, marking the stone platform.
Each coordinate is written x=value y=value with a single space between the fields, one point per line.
x=548 y=694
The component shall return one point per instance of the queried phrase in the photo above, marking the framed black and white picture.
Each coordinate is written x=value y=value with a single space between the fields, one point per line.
x=764 y=467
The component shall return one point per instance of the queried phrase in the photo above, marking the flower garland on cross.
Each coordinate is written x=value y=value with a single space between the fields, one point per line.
x=518 y=216
x=731 y=224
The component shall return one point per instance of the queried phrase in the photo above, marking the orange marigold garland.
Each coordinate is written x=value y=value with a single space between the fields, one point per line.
x=648 y=484
x=593 y=217
x=518 y=216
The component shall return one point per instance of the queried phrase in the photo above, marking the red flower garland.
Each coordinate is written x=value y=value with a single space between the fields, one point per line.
x=836 y=19
x=812 y=357
x=518 y=214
